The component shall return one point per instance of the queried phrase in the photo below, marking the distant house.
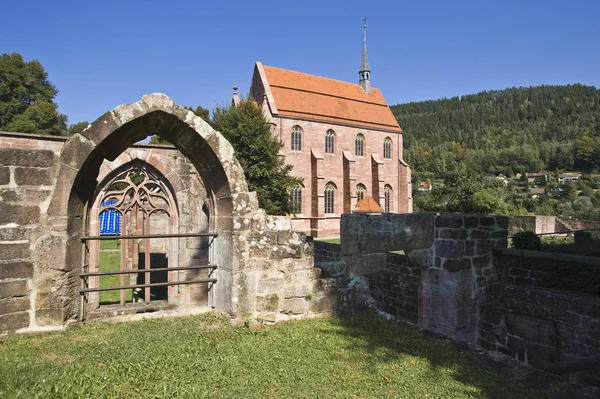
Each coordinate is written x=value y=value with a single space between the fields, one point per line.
x=502 y=178
x=537 y=178
x=424 y=186
x=567 y=177
x=536 y=192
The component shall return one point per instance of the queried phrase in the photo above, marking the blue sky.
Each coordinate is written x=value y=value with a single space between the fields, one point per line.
x=101 y=53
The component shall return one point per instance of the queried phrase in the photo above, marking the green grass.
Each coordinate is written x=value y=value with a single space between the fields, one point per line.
x=330 y=240
x=110 y=260
x=202 y=356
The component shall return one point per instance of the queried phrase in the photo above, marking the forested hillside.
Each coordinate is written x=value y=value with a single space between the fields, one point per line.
x=461 y=144
x=506 y=131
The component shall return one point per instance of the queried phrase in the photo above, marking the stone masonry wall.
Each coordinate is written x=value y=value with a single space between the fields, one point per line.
x=539 y=326
x=327 y=252
x=395 y=288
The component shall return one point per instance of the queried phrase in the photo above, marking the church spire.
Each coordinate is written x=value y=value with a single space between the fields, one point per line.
x=364 y=75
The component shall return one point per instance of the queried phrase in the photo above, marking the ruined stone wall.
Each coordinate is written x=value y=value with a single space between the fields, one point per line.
x=27 y=178
x=539 y=326
x=326 y=252
x=395 y=288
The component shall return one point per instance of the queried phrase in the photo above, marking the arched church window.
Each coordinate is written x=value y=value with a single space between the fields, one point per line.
x=387 y=148
x=387 y=192
x=296 y=138
x=359 y=145
x=330 y=198
x=296 y=200
x=360 y=192
x=329 y=141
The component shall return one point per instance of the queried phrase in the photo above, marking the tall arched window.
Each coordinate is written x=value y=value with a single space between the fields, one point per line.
x=360 y=192
x=296 y=195
x=387 y=148
x=387 y=192
x=329 y=141
x=296 y=138
x=359 y=145
x=330 y=198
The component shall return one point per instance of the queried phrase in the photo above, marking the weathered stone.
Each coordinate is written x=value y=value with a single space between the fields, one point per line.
x=481 y=261
x=321 y=302
x=268 y=317
x=295 y=306
x=12 y=305
x=267 y=303
x=33 y=177
x=14 y=251
x=532 y=329
x=19 y=214
x=31 y=158
x=471 y=222
x=364 y=234
x=487 y=220
x=479 y=235
x=491 y=315
x=481 y=281
x=541 y=355
x=4 y=176
x=455 y=234
x=16 y=270
x=50 y=252
x=13 y=288
x=422 y=258
x=484 y=247
x=470 y=248
x=502 y=221
x=259 y=251
x=270 y=285
x=14 y=321
x=452 y=221
x=516 y=344
x=296 y=291
x=450 y=249
x=331 y=269
x=52 y=316
x=455 y=265
x=262 y=237
x=364 y=264
x=285 y=251
x=14 y=234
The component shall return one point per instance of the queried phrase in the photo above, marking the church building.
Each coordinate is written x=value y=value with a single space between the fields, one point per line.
x=340 y=137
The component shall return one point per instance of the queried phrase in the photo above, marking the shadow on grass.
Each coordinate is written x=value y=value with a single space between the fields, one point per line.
x=434 y=361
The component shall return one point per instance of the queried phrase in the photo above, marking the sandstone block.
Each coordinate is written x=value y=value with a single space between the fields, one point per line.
x=12 y=305
x=13 y=289
x=270 y=285
x=14 y=234
x=450 y=249
x=31 y=158
x=50 y=252
x=295 y=306
x=16 y=270
x=296 y=291
x=4 y=176
x=19 y=214
x=14 y=251
x=33 y=177
x=14 y=321
x=267 y=316
x=267 y=303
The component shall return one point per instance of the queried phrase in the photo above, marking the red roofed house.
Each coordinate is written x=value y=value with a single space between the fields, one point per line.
x=340 y=137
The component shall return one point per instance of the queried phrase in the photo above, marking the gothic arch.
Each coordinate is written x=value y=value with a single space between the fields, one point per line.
x=112 y=134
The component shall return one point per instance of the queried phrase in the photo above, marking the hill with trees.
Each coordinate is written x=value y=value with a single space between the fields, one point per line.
x=465 y=140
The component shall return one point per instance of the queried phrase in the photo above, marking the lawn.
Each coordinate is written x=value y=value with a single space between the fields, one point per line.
x=202 y=356
x=110 y=261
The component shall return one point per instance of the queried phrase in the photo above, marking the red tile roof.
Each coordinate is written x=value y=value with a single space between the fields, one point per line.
x=367 y=205
x=302 y=95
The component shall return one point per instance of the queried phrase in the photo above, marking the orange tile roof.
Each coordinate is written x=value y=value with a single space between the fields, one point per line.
x=367 y=205
x=302 y=95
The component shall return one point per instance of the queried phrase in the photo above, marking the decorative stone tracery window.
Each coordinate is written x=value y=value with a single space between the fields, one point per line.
x=360 y=192
x=296 y=138
x=330 y=198
x=359 y=145
x=387 y=148
x=329 y=141
x=387 y=192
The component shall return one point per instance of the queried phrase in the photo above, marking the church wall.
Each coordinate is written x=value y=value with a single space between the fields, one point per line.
x=387 y=172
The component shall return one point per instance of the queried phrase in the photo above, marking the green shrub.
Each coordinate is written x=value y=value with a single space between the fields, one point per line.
x=527 y=240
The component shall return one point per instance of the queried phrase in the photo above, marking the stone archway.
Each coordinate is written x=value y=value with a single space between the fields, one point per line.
x=110 y=135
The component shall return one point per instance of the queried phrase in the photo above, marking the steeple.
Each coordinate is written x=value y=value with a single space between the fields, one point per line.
x=364 y=75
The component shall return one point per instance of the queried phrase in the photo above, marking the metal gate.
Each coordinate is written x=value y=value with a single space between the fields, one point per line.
x=138 y=194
